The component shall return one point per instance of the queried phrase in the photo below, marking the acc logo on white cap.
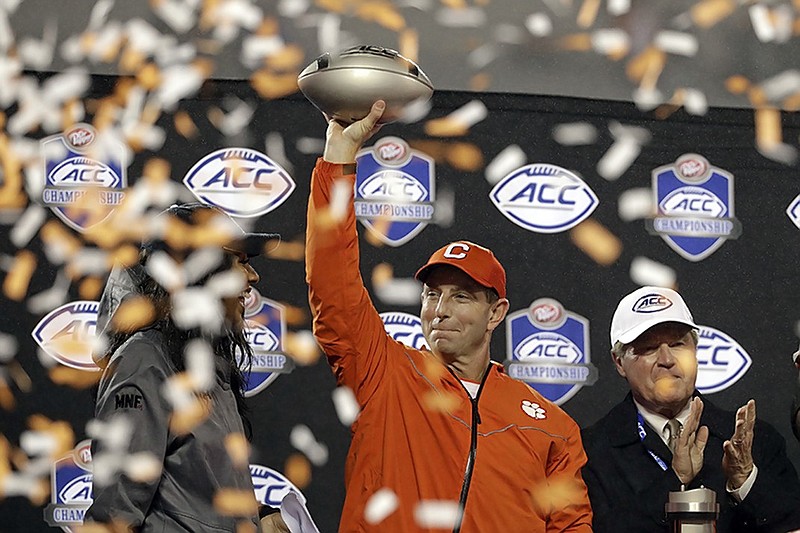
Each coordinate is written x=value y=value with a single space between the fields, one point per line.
x=241 y=181
x=651 y=303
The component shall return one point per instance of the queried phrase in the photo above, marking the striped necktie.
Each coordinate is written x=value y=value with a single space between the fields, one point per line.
x=673 y=428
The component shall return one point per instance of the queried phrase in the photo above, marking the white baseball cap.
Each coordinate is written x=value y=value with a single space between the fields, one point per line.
x=644 y=308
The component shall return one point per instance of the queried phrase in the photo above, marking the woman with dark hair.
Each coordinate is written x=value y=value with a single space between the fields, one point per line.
x=170 y=439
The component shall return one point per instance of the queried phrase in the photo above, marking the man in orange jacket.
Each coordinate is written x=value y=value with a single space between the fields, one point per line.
x=443 y=429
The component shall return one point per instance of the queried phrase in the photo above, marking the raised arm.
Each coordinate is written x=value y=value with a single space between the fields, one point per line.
x=346 y=324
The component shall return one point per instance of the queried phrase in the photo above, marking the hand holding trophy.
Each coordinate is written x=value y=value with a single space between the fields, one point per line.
x=344 y=86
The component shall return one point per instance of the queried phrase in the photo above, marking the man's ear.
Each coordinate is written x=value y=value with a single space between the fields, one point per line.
x=498 y=312
x=618 y=365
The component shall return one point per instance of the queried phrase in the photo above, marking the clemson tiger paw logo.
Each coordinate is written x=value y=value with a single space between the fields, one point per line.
x=533 y=410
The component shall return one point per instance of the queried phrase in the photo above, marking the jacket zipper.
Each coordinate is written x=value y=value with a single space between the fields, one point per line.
x=473 y=449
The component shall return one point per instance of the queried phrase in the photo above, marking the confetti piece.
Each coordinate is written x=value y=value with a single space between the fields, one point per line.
x=143 y=467
x=509 y=159
x=15 y=286
x=399 y=291
x=440 y=402
x=72 y=377
x=441 y=514
x=162 y=268
x=27 y=225
x=482 y=56
x=380 y=505
x=673 y=42
x=707 y=13
x=49 y=299
x=539 y=24
x=195 y=307
x=185 y=420
x=618 y=158
x=230 y=283
x=575 y=134
x=303 y=439
x=302 y=347
x=610 y=41
x=596 y=241
x=8 y=347
x=587 y=14
x=459 y=121
x=644 y=271
x=763 y=27
x=272 y=86
x=347 y=408
x=782 y=85
x=465 y=17
x=618 y=7
x=635 y=204
x=200 y=367
x=298 y=470
x=235 y=502
x=768 y=128
x=238 y=449
x=310 y=145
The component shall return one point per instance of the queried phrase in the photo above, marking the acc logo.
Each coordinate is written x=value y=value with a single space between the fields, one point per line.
x=544 y=198
x=721 y=361
x=240 y=181
x=695 y=207
x=794 y=211
x=71 y=492
x=66 y=334
x=271 y=486
x=404 y=328
x=84 y=182
x=265 y=331
x=395 y=190
x=651 y=303
x=549 y=349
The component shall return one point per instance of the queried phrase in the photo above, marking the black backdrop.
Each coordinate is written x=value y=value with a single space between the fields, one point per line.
x=746 y=288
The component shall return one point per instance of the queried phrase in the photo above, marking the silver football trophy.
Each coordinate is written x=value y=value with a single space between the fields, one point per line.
x=344 y=86
x=693 y=511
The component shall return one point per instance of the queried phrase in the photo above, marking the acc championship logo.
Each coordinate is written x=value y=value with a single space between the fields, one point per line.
x=721 y=361
x=240 y=181
x=794 y=211
x=66 y=334
x=271 y=486
x=544 y=198
x=549 y=349
x=71 y=492
x=404 y=328
x=84 y=179
x=395 y=190
x=265 y=331
x=695 y=207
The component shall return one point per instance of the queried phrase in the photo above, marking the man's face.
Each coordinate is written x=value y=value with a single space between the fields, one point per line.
x=457 y=314
x=234 y=305
x=661 y=367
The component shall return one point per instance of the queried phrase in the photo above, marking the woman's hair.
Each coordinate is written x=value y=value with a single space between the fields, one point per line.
x=227 y=345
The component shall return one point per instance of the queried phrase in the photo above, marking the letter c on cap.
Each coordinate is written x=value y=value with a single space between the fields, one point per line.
x=451 y=253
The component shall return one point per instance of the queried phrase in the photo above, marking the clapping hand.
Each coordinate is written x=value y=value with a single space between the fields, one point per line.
x=737 y=460
x=687 y=457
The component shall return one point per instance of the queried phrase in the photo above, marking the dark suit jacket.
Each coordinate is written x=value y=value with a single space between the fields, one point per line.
x=628 y=489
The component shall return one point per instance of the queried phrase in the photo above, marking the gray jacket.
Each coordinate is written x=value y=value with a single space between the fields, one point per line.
x=195 y=466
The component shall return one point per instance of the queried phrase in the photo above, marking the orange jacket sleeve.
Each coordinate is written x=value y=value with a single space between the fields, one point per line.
x=346 y=324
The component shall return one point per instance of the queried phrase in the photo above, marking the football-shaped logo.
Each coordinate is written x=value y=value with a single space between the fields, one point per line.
x=721 y=361
x=67 y=334
x=241 y=181
x=693 y=201
x=544 y=198
x=546 y=346
x=405 y=328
